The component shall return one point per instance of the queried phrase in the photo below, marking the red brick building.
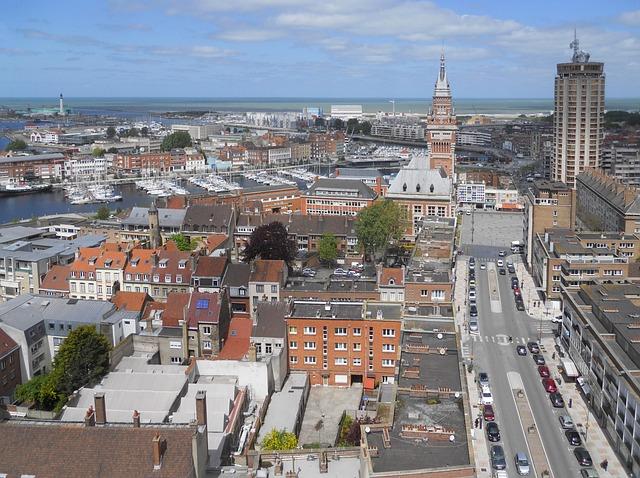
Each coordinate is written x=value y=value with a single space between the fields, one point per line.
x=342 y=343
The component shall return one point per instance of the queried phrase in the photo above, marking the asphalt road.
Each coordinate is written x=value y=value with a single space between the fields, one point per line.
x=494 y=354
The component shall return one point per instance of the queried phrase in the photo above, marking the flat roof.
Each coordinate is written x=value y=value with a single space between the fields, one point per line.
x=281 y=412
x=16 y=233
x=31 y=157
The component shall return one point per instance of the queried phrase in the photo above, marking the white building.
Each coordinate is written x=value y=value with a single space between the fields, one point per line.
x=48 y=137
x=346 y=112
x=405 y=131
x=471 y=193
x=474 y=137
x=197 y=131
x=279 y=156
x=87 y=166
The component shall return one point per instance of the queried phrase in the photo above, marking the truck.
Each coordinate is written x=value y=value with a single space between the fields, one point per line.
x=517 y=247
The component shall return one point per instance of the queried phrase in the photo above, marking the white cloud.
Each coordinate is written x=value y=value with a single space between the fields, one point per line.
x=630 y=18
x=250 y=35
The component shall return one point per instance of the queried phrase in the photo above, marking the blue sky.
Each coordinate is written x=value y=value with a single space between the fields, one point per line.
x=314 y=48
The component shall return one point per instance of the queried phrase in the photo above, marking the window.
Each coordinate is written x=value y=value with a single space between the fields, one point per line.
x=127 y=276
x=206 y=330
x=557 y=267
x=98 y=275
x=258 y=348
x=388 y=333
x=175 y=344
x=267 y=348
x=357 y=361
x=167 y=277
x=388 y=363
x=357 y=347
x=206 y=344
x=242 y=292
x=52 y=325
x=340 y=361
x=424 y=293
x=293 y=345
x=274 y=289
x=437 y=295
x=340 y=331
x=293 y=359
x=100 y=289
x=309 y=331
x=357 y=331
x=556 y=278
x=388 y=348
x=109 y=289
x=260 y=288
x=177 y=360
x=340 y=346
x=293 y=330
x=309 y=345
x=309 y=360
x=179 y=279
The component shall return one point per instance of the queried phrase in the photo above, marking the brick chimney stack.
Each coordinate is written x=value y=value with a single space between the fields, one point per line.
x=90 y=417
x=136 y=419
x=323 y=462
x=159 y=445
x=201 y=408
x=101 y=410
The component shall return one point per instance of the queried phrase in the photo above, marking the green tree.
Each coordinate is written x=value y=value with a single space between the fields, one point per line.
x=83 y=358
x=103 y=213
x=111 y=132
x=279 y=440
x=328 y=248
x=16 y=145
x=183 y=242
x=338 y=123
x=144 y=131
x=41 y=390
x=381 y=224
x=270 y=241
x=179 y=139
x=112 y=150
x=98 y=152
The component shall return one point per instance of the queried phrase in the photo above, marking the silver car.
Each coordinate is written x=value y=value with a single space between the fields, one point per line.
x=566 y=422
x=522 y=463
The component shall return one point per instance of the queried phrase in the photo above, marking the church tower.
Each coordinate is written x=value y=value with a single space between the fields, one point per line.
x=441 y=125
x=155 y=239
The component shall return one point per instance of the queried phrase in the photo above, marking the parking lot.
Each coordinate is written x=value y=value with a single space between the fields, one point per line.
x=491 y=229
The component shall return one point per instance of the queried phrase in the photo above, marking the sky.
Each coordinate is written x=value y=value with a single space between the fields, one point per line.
x=309 y=48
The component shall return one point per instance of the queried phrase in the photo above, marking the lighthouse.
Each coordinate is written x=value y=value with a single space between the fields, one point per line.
x=61 y=105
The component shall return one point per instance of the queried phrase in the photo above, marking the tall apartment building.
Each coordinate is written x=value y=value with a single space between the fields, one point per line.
x=342 y=343
x=622 y=163
x=605 y=204
x=578 y=116
x=547 y=204
x=441 y=125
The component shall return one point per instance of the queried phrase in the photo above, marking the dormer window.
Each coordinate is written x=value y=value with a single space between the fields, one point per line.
x=417 y=188
x=108 y=263
x=163 y=263
x=404 y=187
x=392 y=282
x=134 y=262
x=431 y=188
x=92 y=260
x=182 y=264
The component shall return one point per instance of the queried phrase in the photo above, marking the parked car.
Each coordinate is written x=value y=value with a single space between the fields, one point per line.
x=538 y=359
x=498 y=461
x=565 y=422
x=543 y=371
x=522 y=463
x=556 y=400
x=549 y=385
x=486 y=398
x=472 y=294
x=493 y=431
x=472 y=281
x=472 y=260
x=514 y=282
x=511 y=269
x=533 y=347
x=354 y=274
x=472 y=266
x=483 y=266
x=517 y=292
x=521 y=349
x=483 y=379
x=557 y=319
x=501 y=253
x=520 y=305
x=502 y=271
x=473 y=325
x=573 y=437
x=340 y=272
x=473 y=311
x=589 y=473
x=583 y=456
x=308 y=272
x=488 y=414
x=468 y=213
x=500 y=263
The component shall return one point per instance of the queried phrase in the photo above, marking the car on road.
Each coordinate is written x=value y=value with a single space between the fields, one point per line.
x=502 y=271
x=473 y=325
x=468 y=213
x=483 y=379
x=514 y=282
x=556 y=400
x=557 y=319
x=473 y=311
x=549 y=385
x=501 y=253
x=340 y=272
x=538 y=359
x=486 y=398
x=522 y=463
x=498 y=461
x=488 y=414
x=589 y=473
x=483 y=266
x=565 y=422
x=583 y=456
x=351 y=273
x=517 y=292
x=472 y=294
x=543 y=371
x=519 y=305
x=533 y=347
x=573 y=437
x=500 y=263
x=511 y=269
x=522 y=350
x=493 y=431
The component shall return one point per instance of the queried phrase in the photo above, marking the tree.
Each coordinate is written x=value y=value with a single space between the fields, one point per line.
x=83 y=358
x=270 y=241
x=338 y=123
x=380 y=224
x=103 y=213
x=328 y=248
x=179 y=139
x=144 y=131
x=98 y=152
x=112 y=150
x=111 y=132
x=279 y=440
x=16 y=145
x=42 y=391
x=183 y=242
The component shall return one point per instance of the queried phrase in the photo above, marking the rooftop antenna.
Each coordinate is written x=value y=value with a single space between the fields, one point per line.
x=575 y=44
x=393 y=102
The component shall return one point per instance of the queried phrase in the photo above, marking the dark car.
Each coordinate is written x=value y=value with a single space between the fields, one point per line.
x=533 y=347
x=511 y=269
x=502 y=271
x=473 y=311
x=583 y=456
x=538 y=359
x=488 y=413
x=521 y=349
x=514 y=282
x=556 y=400
x=573 y=437
x=543 y=371
x=498 y=461
x=519 y=305
x=493 y=432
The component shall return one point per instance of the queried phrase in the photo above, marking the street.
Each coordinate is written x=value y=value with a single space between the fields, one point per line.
x=493 y=353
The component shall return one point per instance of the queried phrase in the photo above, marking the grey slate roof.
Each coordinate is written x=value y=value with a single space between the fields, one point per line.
x=139 y=216
x=217 y=216
x=332 y=184
x=38 y=249
x=270 y=320
x=358 y=173
x=32 y=157
x=303 y=225
x=237 y=275
x=419 y=183
x=16 y=233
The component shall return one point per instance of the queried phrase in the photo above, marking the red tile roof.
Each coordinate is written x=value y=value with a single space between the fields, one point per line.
x=150 y=308
x=210 y=266
x=214 y=241
x=143 y=260
x=57 y=279
x=174 y=310
x=238 y=339
x=130 y=301
x=395 y=274
x=266 y=270
x=7 y=344
x=204 y=307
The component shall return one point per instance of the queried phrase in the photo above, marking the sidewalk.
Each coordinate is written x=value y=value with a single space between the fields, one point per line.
x=532 y=302
x=478 y=436
x=595 y=442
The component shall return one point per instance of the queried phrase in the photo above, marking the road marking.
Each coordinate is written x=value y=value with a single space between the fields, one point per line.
x=493 y=339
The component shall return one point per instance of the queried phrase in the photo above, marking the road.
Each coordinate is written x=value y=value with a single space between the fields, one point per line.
x=494 y=354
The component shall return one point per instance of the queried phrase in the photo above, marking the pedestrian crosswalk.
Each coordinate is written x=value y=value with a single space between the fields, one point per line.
x=500 y=339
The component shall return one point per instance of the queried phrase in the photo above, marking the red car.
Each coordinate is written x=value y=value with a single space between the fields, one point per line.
x=488 y=414
x=543 y=370
x=549 y=385
x=517 y=292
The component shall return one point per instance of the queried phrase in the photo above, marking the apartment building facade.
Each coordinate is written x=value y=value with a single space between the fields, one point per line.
x=623 y=163
x=97 y=272
x=45 y=167
x=333 y=197
x=267 y=278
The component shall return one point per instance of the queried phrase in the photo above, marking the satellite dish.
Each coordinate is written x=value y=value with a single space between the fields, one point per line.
x=440 y=336
x=452 y=438
x=457 y=395
x=367 y=429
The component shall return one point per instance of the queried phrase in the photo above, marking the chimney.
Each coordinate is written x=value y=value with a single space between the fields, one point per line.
x=90 y=417
x=193 y=258
x=277 y=469
x=291 y=474
x=154 y=259
x=201 y=408
x=159 y=445
x=324 y=462
x=252 y=353
x=101 y=411
x=136 y=419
